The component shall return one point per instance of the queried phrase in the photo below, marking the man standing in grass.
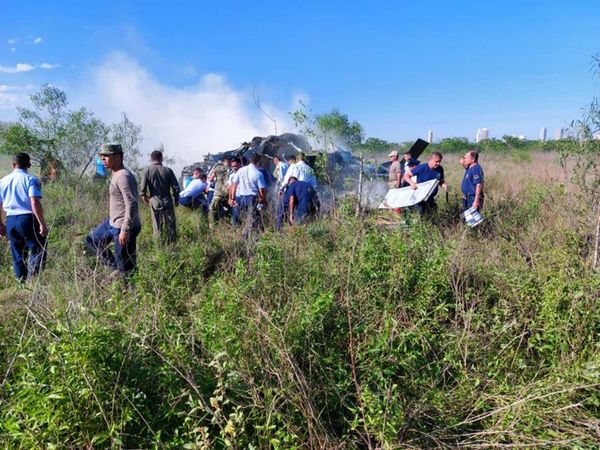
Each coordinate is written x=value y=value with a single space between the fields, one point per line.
x=25 y=228
x=431 y=170
x=218 y=175
x=472 y=183
x=395 y=170
x=123 y=225
x=161 y=189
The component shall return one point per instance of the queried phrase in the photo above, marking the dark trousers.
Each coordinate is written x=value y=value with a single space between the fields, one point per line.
x=27 y=246
x=124 y=258
x=427 y=207
x=247 y=213
x=306 y=209
x=469 y=199
x=164 y=224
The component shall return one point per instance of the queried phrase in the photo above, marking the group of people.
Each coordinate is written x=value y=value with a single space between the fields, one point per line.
x=409 y=172
x=230 y=188
x=242 y=191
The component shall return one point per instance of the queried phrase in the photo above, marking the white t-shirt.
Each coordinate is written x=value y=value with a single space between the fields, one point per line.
x=301 y=171
x=248 y=180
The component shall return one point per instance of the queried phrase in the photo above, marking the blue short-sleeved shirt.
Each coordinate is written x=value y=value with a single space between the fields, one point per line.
x=302 y=190
x=16 y=189
x=473 y=177
x=425 y=173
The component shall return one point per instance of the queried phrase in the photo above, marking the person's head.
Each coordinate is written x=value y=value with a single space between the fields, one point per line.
x=112 y=156
x=197 y=173
x=276 y=159
x=462 y=162
x=292 y=180
x=291 y=159
x=235 y=163
x=203 y=177
x=407 y=156
x=393 y=155
x=255 y=159
x=21 y=161
x=471 y=157
x=156 y=156
x=435 y=159
x=227 y=161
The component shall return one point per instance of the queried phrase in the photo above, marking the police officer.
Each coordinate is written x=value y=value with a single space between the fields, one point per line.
x=25 y=228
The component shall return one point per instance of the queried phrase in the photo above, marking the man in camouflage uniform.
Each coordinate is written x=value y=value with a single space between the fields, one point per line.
x=219 y=174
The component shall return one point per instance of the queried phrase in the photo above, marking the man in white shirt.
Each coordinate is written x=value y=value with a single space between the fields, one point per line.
x=281 y=168
x=301 y=171
x=25 y=228
x=194 y=194
x=248 y=191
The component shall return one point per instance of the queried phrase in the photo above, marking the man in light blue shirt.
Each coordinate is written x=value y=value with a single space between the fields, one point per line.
x=249 y=192
x=26 y=229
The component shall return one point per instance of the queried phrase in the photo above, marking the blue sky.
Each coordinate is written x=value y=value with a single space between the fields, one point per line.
x=399 y=68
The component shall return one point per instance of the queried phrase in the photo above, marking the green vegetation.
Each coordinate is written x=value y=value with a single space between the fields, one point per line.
x=339 y=333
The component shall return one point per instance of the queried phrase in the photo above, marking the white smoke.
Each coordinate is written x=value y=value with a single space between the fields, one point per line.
x=207 y=117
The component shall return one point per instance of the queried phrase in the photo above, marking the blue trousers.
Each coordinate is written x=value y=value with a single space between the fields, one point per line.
x=124 y=257
x=27 y=246
x=469 y=199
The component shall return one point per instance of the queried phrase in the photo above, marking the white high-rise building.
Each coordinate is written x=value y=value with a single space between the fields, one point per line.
x=558 y=134
x=543 y=133
x=482 y=134
x=430 y=136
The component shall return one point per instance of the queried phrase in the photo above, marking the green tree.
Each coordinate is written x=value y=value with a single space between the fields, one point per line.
x=50 y=131
x=335 y=125
x=584 y=149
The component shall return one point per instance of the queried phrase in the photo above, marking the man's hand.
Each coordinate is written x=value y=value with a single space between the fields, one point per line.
x=445 y=187
x=476 y=204
x=123 y=237
x=414 y=186
x=232 y=203
x=2 y=230
x=43 y=229
x=291 y=220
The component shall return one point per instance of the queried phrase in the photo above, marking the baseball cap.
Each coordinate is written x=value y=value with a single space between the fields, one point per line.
x=393 y=153
x=110 y=149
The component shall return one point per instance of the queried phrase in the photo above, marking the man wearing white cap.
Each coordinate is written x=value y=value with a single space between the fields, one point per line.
x=394 y=175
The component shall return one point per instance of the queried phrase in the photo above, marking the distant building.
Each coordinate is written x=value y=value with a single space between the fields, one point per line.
x=482 y=134
x=543 y=132
x=558 y=134
x=430 y=136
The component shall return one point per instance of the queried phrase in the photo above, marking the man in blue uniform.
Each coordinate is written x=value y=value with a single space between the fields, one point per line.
x=303 y=202
x=26 y=229
x=431 y=170
x=472 y=183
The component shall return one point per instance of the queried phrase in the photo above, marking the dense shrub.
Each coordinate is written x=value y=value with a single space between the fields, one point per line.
x=338 y=333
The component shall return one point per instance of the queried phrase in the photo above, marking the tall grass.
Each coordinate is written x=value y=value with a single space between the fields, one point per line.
x=339 y=334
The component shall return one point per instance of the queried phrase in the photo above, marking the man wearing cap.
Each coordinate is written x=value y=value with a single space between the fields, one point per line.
x=395 y=171
x=472 y=183
x=161 y=190
x=218 y=175
x=25 y=228
x=123 y=225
